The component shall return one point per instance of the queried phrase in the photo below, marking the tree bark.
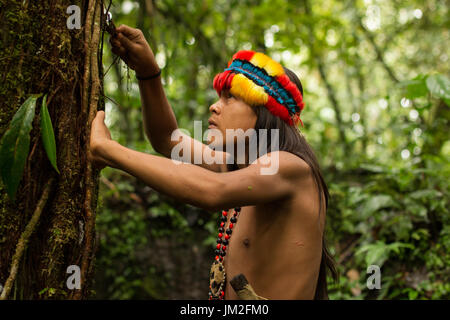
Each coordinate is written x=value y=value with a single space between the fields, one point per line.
x=50 y=226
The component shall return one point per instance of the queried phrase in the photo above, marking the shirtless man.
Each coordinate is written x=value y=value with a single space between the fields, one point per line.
x=277 y=242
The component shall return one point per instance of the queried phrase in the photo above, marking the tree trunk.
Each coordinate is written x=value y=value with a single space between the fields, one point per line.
x=39 y=54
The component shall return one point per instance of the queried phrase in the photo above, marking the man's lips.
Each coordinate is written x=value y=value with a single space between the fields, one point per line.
x=212 y=124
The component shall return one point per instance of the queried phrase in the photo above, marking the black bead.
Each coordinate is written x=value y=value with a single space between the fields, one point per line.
x=225 y=242
x=223 y=219
x=219 y=240
x=237 y=209
x=220 y=230
x=217 y=251
x=233 y=220
x=229 y=231
x=223 y=253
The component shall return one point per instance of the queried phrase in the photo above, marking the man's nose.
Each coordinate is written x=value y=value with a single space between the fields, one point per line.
x=215 y=108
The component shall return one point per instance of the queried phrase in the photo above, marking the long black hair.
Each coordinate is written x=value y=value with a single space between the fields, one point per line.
x=292 y=140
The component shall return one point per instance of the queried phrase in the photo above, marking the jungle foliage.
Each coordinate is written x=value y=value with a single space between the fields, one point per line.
x=376 y=85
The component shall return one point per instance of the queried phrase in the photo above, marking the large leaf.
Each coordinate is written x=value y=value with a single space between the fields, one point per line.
x=439 y=86
x=377 y=253
x=376 y=203
x=15 y=145
x=47 y=134
x=415 y=88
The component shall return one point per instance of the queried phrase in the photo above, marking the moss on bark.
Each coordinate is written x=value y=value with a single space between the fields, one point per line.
x=39 y=54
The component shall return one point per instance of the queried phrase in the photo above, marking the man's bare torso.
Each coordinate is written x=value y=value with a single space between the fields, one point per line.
x=278 y=246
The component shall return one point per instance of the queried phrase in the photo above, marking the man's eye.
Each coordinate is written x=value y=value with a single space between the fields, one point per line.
x=227 y=95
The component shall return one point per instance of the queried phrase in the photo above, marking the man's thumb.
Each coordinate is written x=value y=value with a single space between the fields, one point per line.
x=101 y=115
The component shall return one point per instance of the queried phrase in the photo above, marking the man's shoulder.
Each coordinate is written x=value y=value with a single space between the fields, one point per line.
x=289 y=164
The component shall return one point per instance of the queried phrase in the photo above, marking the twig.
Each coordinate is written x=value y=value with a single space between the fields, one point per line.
x=111 y=186
x=114 y=61
x=348 y=251
x=23 y=241
x=378 y=51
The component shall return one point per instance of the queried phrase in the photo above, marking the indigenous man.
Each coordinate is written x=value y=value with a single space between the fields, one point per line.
x=272 y=224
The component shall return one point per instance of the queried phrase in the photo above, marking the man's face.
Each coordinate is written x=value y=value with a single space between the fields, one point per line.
x=230 y=112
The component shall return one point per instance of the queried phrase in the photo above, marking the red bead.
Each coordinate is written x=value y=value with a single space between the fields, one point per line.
x=222 y=293
x=220 y=235
x=227 y=237
x=224 y=213
x=222 y=224
x=224 y=248
x=230 y=226
x=217 y=257
x=218 y=246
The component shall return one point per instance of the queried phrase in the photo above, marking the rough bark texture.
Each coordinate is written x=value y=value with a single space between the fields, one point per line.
x=39 y=54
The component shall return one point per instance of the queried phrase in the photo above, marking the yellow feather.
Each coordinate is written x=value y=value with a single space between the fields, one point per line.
x=259 y=59
x=272 y=67
x=248 y=91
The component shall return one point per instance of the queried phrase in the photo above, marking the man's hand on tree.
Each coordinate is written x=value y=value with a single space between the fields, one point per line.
x=134 y=50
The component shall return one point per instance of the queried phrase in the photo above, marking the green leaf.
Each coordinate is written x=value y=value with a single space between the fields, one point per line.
x=412 y=295
x=15 y=145
x=43 y=291
x=415 y=88
x=447 y=102
x=425 y=193
x=375 y=253
x=439 y=86
x=47 y=134
x=372 y=168
x=376 y=203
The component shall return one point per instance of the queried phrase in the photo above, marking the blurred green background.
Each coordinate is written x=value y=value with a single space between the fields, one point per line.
x=376 y=87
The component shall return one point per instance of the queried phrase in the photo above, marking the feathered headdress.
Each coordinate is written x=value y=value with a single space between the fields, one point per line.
x=260 y=81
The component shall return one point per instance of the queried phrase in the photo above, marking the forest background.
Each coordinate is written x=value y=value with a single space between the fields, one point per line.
x=377 y=97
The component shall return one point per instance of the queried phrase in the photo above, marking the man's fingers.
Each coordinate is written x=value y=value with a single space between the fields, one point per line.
x=124 y=41
x=119 y=50
x=114 y=42
x=116 y=51
x=126 y=30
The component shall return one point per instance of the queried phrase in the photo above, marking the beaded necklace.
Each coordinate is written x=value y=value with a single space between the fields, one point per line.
x=217 y=275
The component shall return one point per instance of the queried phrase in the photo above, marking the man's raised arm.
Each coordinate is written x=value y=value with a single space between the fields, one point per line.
x=158 y=116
